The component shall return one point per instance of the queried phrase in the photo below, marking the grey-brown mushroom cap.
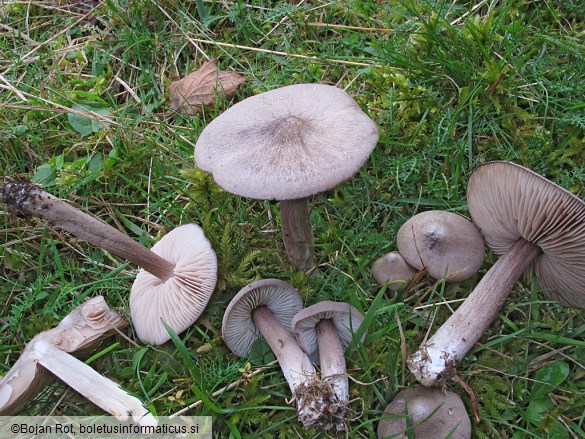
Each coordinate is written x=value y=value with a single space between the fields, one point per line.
x=433 y=414
x=287 y=143
x=346 y=319
x=392 y=269
x=443 y=243
x=509 y=202
x=238 y=328
x=181 y=299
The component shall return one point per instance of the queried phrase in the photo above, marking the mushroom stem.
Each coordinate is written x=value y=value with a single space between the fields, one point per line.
x=435 y=361
x=295 y=364
x=309 y=392
x=30 y=199
x=297 y=233
x=98 y=389
x=331 y=355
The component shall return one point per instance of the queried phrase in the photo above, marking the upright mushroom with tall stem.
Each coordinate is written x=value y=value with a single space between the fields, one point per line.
x=265 y=308
x=288 y=144
x=178 y=275
x=538 y=228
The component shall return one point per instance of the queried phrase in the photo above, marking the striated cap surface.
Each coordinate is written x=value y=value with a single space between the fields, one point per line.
x=287 y=143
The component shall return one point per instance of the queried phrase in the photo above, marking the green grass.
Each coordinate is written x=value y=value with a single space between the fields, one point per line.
x=450 y=86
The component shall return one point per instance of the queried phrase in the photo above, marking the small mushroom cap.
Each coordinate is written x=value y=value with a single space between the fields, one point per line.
x=432 y=414
x=287 y=143
x=444 y=243
x=181 y=299
x=344 y=317
x=393 y=270
x=509 y=202
x=238 y=328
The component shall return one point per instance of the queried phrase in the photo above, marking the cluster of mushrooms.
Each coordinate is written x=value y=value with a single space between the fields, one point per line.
x=299 y=338
x=446 y=245
x=289 y=144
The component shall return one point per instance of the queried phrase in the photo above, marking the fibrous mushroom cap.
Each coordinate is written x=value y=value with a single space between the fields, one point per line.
x=393 y=270
x=509 y=202
x=444 y=243
x=432 y=414
x=238 y=328
x=287 y=143
x=181 y=299
x=346 y=319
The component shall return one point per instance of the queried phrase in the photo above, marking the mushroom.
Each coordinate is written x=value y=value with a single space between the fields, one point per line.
x=178 y=275
x=182 y=298
x=446 y=244
x=425 y=413
x=538 y=228
x=287 y=145
x=265 y=308
x=79 y=332
x=393 y=270
x=325 y=329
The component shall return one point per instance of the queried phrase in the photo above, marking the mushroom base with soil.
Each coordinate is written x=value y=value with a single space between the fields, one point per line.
x=323 y=331
x=315 y=399
x=333 y=368
x=436 y=360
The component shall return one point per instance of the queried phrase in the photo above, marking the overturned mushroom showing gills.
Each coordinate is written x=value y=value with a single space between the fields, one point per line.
x=326 y=329
x=265 y=308
x=79 y=332
x=538 y=228
x=288 y=144
x=393 y=270
x=446 y=244
x=182 y=298
x=178 y=275
x=425 y=413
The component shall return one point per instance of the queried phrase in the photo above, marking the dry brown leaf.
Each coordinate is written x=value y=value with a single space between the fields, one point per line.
x=201 y=88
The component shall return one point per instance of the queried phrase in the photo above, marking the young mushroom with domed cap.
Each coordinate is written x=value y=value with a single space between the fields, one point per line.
x=265 y=308
x=79 y=332
x=538 y=228
x=424 y=413
x=288 y=144
x=392 y=269
x=324 y=330
x=446 y=244
x=178 y=275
